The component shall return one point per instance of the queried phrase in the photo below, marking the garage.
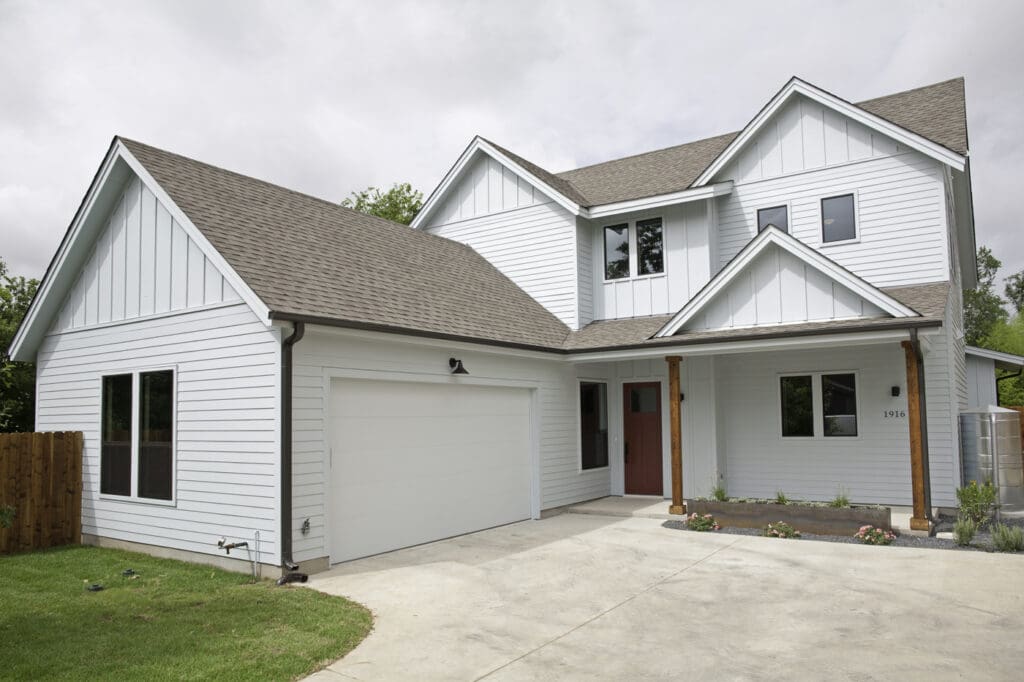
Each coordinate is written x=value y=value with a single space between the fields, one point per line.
x=414 y=462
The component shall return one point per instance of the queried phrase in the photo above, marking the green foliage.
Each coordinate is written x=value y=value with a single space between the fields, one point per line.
x=1008 y=337
x=873 y=535
x=17 y=379
x=964 y=530
x=983 y=308
x=718 y=493
x=976 y=501
x=780 y=498
x=401 y=203
x=780 y=529
x=1007 y=538
x=6 y=515
x=701 y=522
x=1014 y=291
x=840 y=500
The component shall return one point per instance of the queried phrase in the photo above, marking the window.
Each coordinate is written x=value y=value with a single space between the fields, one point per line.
x=137 y=440
x=776 y=215
x=838 y=222
x=839 y=404
x=593 y=425
x=797 y=407
x=616 y=252
x=649 y=242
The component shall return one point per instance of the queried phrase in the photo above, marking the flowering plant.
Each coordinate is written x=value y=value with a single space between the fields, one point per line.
x=780 y=529
x=701 y=522
x=870 y=535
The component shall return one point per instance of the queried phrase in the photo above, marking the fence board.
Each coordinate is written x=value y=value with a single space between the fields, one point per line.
x=41 y=477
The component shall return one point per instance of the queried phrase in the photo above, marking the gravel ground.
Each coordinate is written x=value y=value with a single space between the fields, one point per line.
x=982 y=541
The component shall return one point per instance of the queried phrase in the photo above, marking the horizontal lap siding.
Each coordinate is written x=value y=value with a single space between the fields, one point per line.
x=321 y=353
x=226 y=438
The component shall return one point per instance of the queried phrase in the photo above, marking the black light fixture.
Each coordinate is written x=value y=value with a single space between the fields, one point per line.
x=456 y=366
x=895 y=391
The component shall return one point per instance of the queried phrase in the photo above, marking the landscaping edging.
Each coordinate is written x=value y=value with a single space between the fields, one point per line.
x=805 y=518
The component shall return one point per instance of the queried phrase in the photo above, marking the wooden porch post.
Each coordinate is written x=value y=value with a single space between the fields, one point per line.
x=919 y=521
x=675 y=420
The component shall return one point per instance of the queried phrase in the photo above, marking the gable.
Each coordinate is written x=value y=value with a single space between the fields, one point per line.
x=485 y=186
x=805 y=135
x=142 y=263
x=775 y=288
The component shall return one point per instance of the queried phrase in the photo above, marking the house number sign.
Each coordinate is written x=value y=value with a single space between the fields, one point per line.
x=894 y=414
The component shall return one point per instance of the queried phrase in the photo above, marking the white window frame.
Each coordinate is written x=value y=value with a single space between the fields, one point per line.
x=856 y=218
x=817 y=405
x=634 y=254
x=775 y=204
x=136 y=397
x=579 y=424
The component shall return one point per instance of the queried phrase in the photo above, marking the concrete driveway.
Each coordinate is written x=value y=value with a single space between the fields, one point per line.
x=593 y=597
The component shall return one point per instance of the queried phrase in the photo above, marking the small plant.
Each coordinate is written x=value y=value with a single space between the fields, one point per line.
x=872 y=535
x=780 y=498
x=6 y=515
x=976 y=501
x=701 y=522
x=964 y=530
x=718 y=492
x=780 y=529
x=1007 y=538
x=840 y=500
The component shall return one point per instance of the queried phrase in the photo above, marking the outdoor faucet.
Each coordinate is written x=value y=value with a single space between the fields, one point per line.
x=228 y=546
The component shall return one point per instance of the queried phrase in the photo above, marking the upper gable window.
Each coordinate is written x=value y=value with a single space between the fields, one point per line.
x=777 y=216
x=838 y=219
x=616 y=251
x=649 y=247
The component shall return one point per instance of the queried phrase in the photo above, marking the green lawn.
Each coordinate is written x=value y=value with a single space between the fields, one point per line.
x=174 y=621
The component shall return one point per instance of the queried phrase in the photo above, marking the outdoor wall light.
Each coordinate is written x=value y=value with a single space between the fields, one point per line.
x=895 y=391
x=456 y=366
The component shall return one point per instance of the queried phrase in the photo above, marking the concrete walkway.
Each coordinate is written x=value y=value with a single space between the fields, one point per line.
x=580 y=596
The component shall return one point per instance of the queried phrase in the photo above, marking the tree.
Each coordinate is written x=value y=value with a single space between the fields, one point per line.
x=1008 y=337
x=17 y=379
x=983 y=308
x=401 y=203
x=1014 y=291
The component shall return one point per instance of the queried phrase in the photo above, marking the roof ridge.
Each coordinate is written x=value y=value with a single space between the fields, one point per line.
x=639 y=154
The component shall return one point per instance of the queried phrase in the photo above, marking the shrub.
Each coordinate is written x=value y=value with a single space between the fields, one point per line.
x=6 y=516
x=976 y=501
x=780 y=529
x=840 y=500
x=780 y=498
x=1007 y=538
x=872 y=535
x=701 y=522
x=718 y=492
x=964 y=530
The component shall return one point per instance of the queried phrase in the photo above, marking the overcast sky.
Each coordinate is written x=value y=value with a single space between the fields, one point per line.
x=328 y=98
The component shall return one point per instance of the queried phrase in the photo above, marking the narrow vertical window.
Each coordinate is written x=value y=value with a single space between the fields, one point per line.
x=593 y=425
x=797 y=407
x=116 y=436
x=839 y=404
x=776 y=216
x=616 y=251
x=156 y=447
x=838 y=222
x=650 y=247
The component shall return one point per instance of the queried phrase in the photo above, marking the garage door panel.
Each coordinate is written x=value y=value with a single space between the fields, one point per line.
x=416 y=462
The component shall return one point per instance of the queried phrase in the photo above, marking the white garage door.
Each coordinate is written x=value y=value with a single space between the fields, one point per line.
x=415 y=462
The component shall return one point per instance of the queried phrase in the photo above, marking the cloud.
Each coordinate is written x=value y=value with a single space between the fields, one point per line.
x=331 y=98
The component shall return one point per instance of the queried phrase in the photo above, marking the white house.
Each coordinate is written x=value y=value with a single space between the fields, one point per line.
x=773 y=309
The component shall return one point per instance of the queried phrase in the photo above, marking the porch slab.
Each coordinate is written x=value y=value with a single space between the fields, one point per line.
x=638 y=506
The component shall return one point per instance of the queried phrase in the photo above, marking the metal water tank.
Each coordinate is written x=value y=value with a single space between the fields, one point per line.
x=991 y=450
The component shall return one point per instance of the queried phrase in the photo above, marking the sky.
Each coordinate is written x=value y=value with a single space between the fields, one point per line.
x=329 y=98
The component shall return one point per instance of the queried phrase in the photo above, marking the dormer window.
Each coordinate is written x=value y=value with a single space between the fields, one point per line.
x=649 y=247
x=616 y=251
x=644 y=237
x=777 y=216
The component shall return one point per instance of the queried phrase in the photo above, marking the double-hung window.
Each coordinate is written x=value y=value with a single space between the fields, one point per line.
x=137 y=435
x=810 y=400
x=646 y=236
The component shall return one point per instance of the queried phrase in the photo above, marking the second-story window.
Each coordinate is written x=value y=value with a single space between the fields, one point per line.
x=838 y=219
x=649 y=247
x=616 y=251
x=777 y=216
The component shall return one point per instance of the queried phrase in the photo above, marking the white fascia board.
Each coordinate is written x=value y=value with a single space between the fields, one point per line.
x=795 y=86
x=773 y=235
x=657 y=201
x=478 y=144
x=238 y=284
x=998 y=356
x=844 y=340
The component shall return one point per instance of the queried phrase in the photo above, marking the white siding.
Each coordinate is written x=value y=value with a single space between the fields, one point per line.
x=226 y=373
x=142 y=264
x=901 y=232
x=777 y=288
x=485 y=187
x=322 y=352
x=535 y=247
x=981 y=381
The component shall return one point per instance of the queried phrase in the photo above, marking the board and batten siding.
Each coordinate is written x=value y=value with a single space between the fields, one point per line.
x=485 y=187
x=142 y=264
x=226 y=364
x=981 y=381
x=323 y=353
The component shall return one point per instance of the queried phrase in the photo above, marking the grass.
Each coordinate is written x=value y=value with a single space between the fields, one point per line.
x=174 y=621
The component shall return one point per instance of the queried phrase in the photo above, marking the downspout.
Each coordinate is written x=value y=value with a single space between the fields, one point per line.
x=287 y=565
x=922 y=393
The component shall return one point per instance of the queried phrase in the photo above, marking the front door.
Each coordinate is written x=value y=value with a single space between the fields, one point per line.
x=641 y=427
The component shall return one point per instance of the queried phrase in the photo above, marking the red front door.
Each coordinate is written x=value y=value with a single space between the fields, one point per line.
x=641 y=427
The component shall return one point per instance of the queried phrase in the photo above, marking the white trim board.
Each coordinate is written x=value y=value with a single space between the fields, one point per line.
x=998 y=356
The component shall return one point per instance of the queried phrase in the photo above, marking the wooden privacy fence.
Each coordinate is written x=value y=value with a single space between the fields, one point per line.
x=41 y=478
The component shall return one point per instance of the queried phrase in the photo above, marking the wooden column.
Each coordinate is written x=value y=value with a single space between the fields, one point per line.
x=675 y=420
x=917 y=439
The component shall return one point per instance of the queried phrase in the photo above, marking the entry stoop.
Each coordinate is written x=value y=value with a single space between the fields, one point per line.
x=641 y=506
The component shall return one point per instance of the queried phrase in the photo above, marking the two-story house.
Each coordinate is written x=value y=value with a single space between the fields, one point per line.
x=777 y=309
